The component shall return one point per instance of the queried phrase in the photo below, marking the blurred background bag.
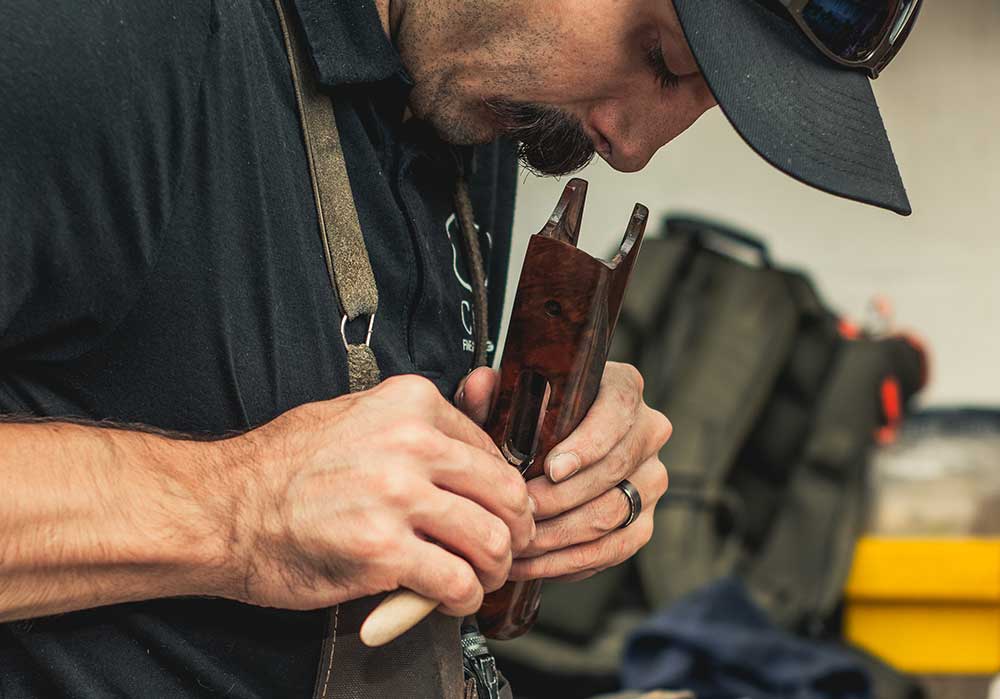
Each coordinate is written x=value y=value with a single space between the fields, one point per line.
x=776 y=404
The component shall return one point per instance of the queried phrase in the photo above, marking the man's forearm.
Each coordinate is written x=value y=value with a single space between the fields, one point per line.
x=92 y=516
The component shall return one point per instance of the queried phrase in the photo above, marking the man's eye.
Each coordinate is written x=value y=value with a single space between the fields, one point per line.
x=656 y=61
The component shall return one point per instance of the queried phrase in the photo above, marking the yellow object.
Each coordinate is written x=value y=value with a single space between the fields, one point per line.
x=927 y=605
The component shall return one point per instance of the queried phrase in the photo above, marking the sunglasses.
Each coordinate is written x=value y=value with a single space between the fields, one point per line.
x=856 y=33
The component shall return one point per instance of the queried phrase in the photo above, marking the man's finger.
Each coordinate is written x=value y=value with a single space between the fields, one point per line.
x=475 y=394
x=600 y=516
x=439 y=574
x=643 y=441
x=457 y=425
x=419 y=398
x=592 y=556
x=465 y=528
x=556 y=498
x=609 y=419
x=576 y=577
x=490 y=482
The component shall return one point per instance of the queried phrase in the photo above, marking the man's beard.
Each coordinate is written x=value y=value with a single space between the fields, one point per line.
x=550 y=142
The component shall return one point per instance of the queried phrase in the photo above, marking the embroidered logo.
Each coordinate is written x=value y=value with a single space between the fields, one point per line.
x=460 y=268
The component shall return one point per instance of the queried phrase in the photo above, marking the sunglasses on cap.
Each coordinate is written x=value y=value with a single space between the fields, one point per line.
x=856 y=33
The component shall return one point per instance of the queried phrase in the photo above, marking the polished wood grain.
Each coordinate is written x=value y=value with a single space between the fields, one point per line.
x=564 y=315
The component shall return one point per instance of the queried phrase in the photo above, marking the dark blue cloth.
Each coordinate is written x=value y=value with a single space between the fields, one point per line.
x=719 y=644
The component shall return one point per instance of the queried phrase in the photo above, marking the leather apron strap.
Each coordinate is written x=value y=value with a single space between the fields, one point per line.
x=346 y=255
x=427 y=661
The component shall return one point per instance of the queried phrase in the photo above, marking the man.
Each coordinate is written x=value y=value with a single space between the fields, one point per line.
x=163 y=282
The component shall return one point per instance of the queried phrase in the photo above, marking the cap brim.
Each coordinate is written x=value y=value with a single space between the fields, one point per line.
x=808 y=117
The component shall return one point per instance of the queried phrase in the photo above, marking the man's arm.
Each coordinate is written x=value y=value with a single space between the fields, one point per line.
x=93 y=516
x=332 y=501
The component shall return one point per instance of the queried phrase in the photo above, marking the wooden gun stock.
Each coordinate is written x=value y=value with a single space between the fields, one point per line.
x=560 y=331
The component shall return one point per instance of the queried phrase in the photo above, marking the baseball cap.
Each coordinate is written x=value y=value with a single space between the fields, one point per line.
x=802 y=113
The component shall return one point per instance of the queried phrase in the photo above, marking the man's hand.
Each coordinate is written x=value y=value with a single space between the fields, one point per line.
x=393 y=487
x=579 y=509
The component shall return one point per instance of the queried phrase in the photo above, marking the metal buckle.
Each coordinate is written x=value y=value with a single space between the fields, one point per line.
x=368 y=337
x=479 y=662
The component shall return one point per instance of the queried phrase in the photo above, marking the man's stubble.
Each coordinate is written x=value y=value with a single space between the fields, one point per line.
x=468 y=59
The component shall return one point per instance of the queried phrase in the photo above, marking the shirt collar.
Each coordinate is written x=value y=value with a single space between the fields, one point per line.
x=347 y=42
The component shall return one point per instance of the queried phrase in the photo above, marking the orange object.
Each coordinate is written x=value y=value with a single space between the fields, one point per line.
x=892 y=410
x=848 y=330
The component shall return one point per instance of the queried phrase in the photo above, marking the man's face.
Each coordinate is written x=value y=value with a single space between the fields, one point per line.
x=566 y=78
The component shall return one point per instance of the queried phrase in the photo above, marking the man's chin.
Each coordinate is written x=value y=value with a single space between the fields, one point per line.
x=483 y=123
x=460 y=127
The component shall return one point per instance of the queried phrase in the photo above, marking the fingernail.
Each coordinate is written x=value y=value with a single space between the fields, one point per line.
x=562 y=466
x=532 y=505
x=534 y=531
x=461 y=397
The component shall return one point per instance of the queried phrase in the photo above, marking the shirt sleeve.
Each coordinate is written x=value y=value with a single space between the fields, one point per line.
x=96 y=116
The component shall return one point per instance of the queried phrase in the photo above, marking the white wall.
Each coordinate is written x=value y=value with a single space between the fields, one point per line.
x=941 y=104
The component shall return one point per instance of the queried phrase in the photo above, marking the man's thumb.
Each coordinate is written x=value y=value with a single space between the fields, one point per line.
x=475 y=394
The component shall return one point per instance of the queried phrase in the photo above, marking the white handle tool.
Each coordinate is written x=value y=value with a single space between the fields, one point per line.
x=394 y=616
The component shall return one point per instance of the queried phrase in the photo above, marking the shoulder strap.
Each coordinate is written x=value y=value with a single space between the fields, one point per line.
x=426 y=661
x=346 y=255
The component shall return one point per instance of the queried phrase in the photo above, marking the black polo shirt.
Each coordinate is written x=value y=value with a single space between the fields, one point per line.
x=160 y=263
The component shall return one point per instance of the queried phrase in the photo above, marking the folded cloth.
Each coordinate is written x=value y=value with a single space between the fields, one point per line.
x=719 y=644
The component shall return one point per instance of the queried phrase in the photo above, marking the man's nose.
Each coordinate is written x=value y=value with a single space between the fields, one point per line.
x=649 y=117
x=631 y=159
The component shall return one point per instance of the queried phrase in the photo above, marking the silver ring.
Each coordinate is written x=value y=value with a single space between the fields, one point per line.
x=634 y=502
